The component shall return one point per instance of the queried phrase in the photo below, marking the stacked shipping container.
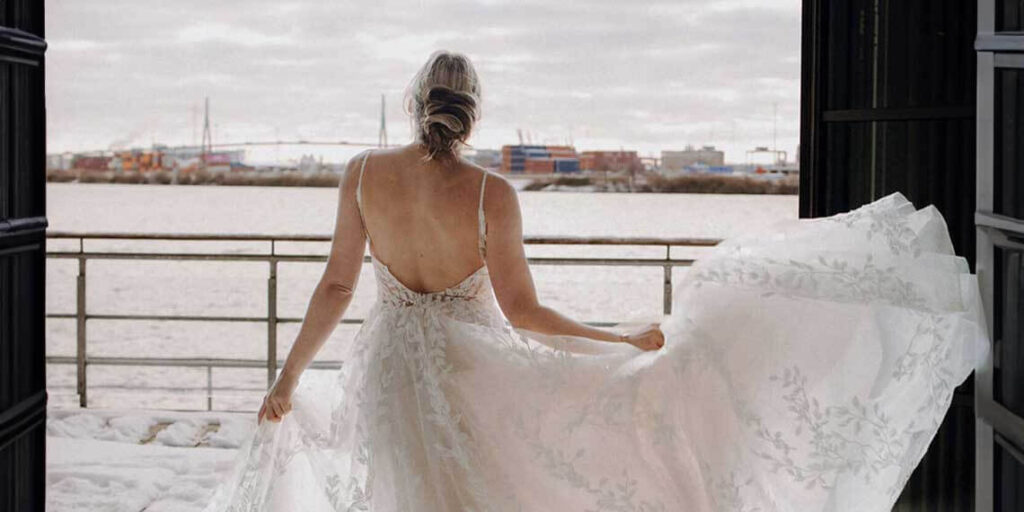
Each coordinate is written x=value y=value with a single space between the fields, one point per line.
x=538 y=159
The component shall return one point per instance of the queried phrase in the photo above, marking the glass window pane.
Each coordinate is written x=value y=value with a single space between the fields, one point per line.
x=1009 y=480
x=1008 y=378
x=1009 y=152
x=1009 y=15
x=888 y=57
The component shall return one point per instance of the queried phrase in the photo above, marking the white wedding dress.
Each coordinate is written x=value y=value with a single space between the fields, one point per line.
x=806 y=368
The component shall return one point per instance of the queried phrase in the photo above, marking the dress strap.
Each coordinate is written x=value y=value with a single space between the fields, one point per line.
x=359 y=195
x=482 y=222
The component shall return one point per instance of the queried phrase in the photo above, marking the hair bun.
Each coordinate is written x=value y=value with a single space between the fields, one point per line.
x=444 y=99
x=448 y=117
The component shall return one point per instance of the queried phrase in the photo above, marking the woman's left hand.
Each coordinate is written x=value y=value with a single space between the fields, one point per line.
x=278 y=401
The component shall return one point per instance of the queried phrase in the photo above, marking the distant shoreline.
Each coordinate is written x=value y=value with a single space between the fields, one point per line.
x=641 y=183
x=698 y=183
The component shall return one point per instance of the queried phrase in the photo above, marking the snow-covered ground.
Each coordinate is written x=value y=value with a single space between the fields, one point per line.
x=135 y=460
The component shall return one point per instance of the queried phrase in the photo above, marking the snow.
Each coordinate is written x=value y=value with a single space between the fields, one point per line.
x=127 y=429
x=230 y=434
x=132 y=460
x=181 y=433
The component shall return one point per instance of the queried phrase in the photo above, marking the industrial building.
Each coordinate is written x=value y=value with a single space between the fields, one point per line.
x=691 y=157
x=157 y=158
x=189 y=158
x=59 y=161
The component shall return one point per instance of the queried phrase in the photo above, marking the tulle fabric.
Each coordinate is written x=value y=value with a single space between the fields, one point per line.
x=805 y=368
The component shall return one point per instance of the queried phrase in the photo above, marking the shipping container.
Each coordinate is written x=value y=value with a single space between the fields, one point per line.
x=540 y=166
x=535 y=158
x=610 y=160
x=566 y=165
x=91 y=163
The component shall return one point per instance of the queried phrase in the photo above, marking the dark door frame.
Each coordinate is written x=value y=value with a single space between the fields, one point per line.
x=22 y=256
x=995 y=424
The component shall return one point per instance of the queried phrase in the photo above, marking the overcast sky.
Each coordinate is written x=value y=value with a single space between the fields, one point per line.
x=606 y=74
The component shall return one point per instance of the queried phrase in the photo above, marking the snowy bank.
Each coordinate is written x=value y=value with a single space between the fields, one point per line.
x=132 y=460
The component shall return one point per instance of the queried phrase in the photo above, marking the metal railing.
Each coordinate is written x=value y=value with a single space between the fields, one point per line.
x=272 y=257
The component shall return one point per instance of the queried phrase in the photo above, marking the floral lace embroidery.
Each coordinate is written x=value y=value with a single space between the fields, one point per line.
x=881 y=219
x=804 y=437
x=834 y=279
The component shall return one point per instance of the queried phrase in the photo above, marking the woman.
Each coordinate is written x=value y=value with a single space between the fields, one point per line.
x=807 y=368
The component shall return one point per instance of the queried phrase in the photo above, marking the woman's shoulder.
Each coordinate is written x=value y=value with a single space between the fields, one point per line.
x=500 y=196
x=378 y=159
x=496 y=182
x=356 y=161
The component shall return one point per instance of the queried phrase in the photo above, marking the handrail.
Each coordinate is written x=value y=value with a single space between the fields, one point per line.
x=263 y=237
x=82 y=360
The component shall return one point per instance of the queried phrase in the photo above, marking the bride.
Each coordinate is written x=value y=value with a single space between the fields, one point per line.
x=804 y=368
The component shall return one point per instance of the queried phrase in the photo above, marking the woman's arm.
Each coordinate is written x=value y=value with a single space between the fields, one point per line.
x=513 y=282
x=330 y=298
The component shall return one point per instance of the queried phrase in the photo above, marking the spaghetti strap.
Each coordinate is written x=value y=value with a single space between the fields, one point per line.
x=482 y=222
x=359 y=195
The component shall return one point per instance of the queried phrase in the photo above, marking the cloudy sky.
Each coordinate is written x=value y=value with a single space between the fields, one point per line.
x=605 y=74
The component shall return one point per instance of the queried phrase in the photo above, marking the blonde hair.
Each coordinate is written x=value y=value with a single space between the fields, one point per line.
x=444 y=101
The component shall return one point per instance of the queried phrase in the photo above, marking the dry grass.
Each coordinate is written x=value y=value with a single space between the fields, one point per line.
x=284 y=179
x=59 y=176
x=569 y=181
x=714 y=184
x=690 y=184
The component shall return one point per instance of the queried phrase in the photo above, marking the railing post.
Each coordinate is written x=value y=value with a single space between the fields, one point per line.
x=83 y=400
x=209 y=387
x=667 y=290
x=272 y=319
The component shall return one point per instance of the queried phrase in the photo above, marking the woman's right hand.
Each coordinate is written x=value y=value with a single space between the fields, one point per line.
x=278 y=400
x=646 y=338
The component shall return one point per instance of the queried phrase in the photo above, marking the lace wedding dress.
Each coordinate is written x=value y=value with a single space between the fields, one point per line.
x=806 y=368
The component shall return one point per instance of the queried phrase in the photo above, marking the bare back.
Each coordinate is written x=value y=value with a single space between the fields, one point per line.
x=424 y=221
